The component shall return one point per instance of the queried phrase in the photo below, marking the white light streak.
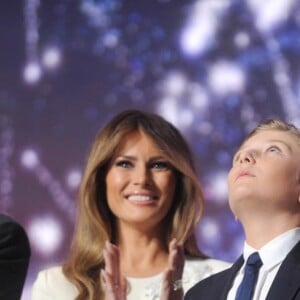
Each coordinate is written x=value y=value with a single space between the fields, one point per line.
x=202 y=25
x=32 y=71
x=270 y=13
x=282 y=79
x=30 y=160
x=6 y=170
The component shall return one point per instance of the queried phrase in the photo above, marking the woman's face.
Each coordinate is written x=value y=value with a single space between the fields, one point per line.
x=140 y=183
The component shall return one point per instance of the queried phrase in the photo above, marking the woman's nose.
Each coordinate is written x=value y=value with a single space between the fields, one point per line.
x=142 y=176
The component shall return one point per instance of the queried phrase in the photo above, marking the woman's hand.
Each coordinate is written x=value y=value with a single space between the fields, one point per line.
x=112 y=280
x=172 y=279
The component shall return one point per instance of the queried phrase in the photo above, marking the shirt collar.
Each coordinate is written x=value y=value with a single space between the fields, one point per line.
x=275 y=251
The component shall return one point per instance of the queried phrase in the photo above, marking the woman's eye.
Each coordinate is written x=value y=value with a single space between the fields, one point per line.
x=160 y=165
x=124 y=164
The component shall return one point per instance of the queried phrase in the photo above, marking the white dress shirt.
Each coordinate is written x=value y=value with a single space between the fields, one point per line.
x=272 y=255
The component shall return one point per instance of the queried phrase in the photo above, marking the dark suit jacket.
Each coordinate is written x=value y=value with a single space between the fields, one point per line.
x=14 y=258
x=286 y=284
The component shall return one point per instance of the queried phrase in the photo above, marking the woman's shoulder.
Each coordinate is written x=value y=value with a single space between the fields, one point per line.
x=52 y=275
x=212 y=264
x=196 y=269
x=51 y=283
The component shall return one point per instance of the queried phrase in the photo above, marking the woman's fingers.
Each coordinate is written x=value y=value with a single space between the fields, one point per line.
x=176 y=259
x=114 y=282
x=172 y=279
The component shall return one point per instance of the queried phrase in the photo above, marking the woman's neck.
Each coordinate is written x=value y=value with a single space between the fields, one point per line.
x=142 y=254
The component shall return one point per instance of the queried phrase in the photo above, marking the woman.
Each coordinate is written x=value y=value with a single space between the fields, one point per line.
x=139 y=204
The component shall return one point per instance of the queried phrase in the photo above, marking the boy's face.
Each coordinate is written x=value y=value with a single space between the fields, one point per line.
x=265 y=175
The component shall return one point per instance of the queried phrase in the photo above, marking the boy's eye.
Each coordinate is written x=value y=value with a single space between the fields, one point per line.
x=274 y=149
x=124 y=164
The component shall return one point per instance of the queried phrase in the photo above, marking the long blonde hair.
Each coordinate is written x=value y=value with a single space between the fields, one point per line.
x=95 y=222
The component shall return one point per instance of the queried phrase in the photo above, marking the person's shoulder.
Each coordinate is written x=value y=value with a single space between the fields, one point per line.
x=215 y=265
x=52 y=275
x=215 y=274
x=197 y=269
x=52 y=282
x=13 y=238
x=218 y=265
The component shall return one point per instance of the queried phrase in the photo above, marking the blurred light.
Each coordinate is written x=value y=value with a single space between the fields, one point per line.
x=209 y=230
x=198 y=97
x=174 y=84
x=225 y=77
x=242 y=39
x=204 y=128
x=168 y=109
x=51 y=58
x=6 y=186
x=201 y=26
x=110 y=39
x=29 y=159
x=45 y=234
x=218 y=186
x=74 y=179
x=270 y=13
x=186 y=117
x=96 y=12
x=197 y=37
x=32 y=72
x=247 y=114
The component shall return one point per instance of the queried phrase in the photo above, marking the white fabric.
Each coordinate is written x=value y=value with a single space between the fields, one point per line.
x=51 y=284
x=272 y=255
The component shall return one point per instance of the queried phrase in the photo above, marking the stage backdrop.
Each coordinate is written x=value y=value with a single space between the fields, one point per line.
x=214 y=68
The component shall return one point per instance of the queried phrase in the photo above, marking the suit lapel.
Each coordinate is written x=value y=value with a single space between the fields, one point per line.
x=230 y=278
x=287 y=282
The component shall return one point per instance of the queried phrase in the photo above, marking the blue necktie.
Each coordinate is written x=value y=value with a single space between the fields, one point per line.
x=246 y=289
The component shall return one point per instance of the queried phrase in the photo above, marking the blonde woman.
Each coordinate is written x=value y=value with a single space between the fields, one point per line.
x=139 y=204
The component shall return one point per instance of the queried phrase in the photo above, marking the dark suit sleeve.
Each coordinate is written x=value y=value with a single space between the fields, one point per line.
x=215 y=287
x=14 y=258
x=206 y=289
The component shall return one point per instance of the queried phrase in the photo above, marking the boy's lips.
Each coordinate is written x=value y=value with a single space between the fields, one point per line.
x=244 y=173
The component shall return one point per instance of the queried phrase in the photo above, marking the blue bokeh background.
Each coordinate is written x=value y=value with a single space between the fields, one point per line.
x=214 y=68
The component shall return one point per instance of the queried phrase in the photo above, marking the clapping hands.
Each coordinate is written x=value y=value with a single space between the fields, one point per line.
x=115 y=283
